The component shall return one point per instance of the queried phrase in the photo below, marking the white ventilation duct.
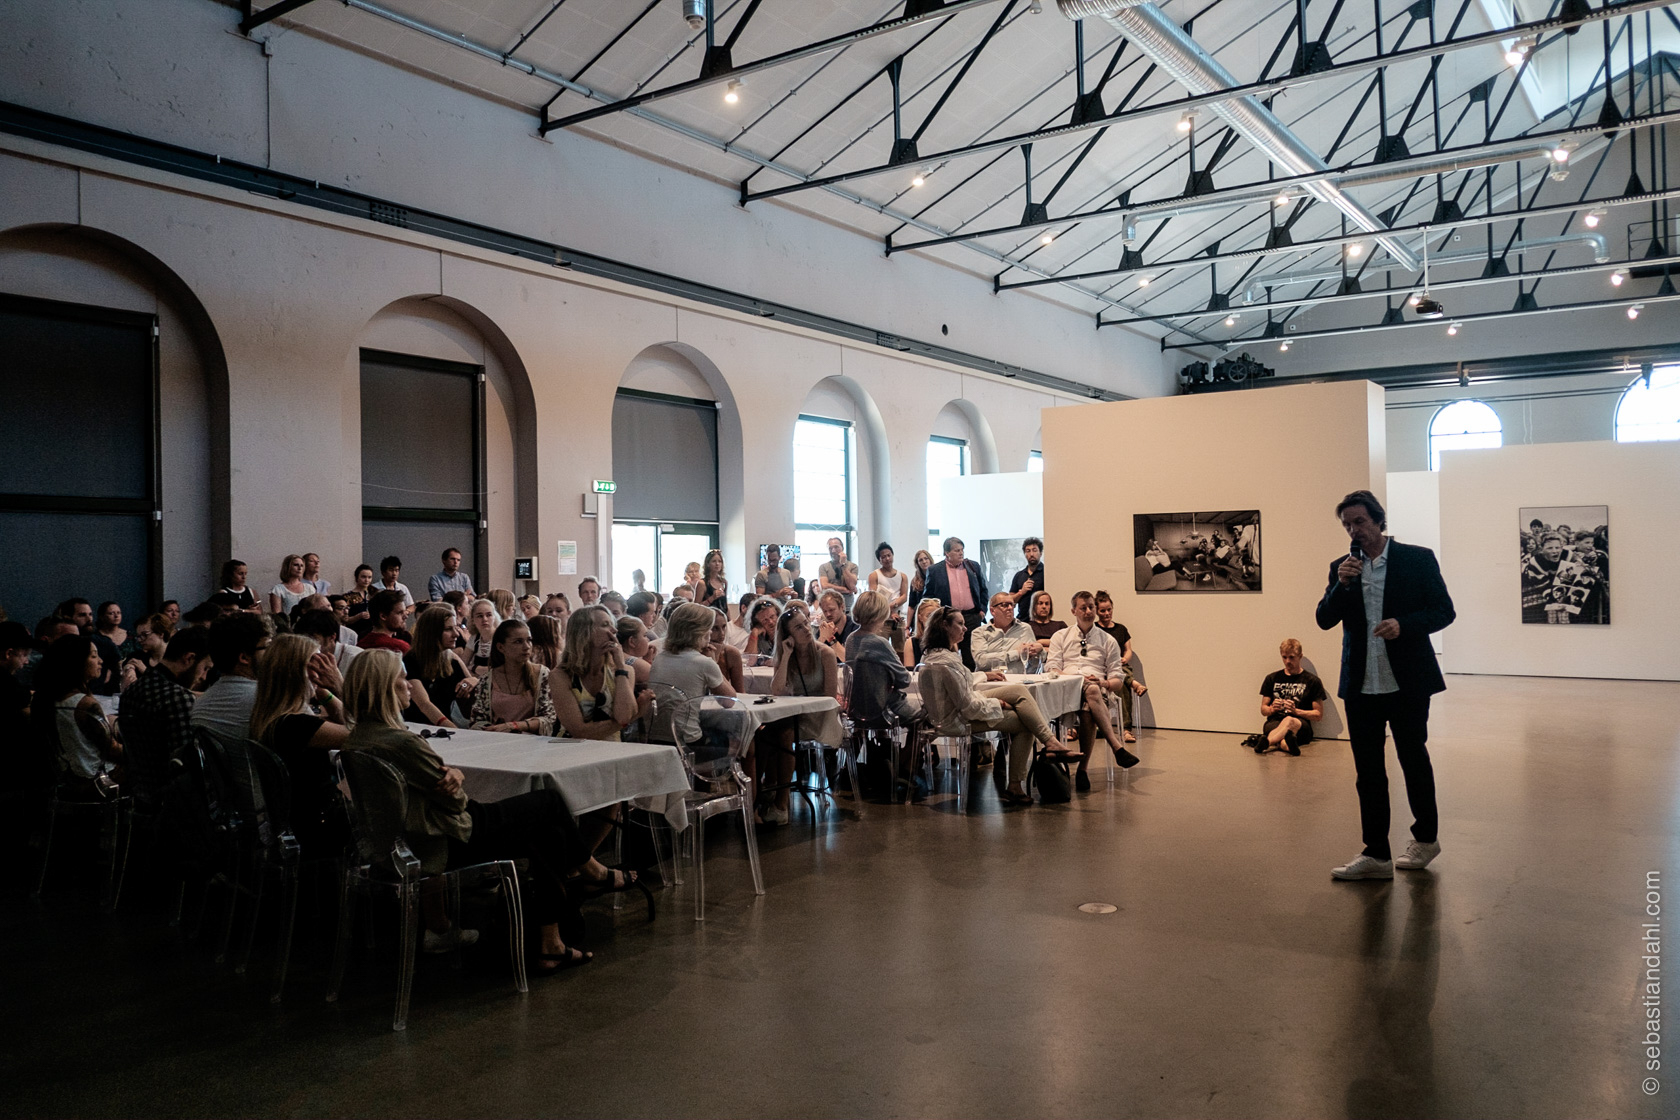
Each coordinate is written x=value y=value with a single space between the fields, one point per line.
x=1184 y=60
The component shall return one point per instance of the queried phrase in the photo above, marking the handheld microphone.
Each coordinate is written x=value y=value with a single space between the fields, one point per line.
x=1357 y=553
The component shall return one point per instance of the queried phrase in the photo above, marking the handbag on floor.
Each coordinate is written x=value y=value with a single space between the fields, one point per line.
x=1052 y=782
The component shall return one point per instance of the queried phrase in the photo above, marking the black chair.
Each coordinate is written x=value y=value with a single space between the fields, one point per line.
x=262 y=792
x=383 y=863
x=153 y=779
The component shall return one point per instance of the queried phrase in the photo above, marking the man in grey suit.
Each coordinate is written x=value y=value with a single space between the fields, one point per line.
x=1389 y=597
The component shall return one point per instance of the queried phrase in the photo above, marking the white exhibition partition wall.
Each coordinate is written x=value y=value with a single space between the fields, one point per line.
x=983 y=507
x=1481 y=492
x=1414 y=517
x=1291 y=452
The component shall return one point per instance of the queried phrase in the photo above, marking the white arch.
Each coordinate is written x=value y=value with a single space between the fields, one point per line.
x=874 y=451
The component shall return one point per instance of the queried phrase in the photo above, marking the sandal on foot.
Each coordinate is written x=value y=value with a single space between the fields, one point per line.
x=571 y=958
x=615 y=881
x=1009 y=798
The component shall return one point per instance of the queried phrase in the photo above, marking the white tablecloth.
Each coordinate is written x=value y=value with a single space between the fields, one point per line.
x=1054 y=696
x=743 y=719
x=756 y=679
x=589 y=774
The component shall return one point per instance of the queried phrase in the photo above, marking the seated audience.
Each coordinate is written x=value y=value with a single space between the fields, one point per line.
x=80 y=611
x=109 y=623
x=643 y=606
x=514 y=695
x=1044 y=627
x=291 y=589
x=683 y=664
x=1118 y=631
x=1004 y=644
x=735 y=630
x=333 y=605
x=312 y=574
x=803 y=668
x=614 y=602
x=47 y=631
x=359 y=598
x=598 y=700
x=438 y=676
x=950 y=697
x=389 y=569
x=529 y=607
x=589 y=591
x=66 y=707
x=559 y=608
x=164 y=693
x=321 y=627
x=237 y=645
x=451 y=578
x=691 y=579
x=762 y=614
x=16 y=646
x=171 y=610
x=482 y=621
x=447 y=829
x=298 y=714
x=1084 y=650
x=545 y=640
x=1291 y=701
x=731 y=660
x=638 y=658
x=151 y=635
x=833 y=627
x=870 y=646
x=388 y=612
x=924 y=617
x=234 y=574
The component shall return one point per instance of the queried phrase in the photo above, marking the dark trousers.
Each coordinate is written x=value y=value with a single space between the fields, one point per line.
x=972 y=620
x=1407 y=716
x=536 y=826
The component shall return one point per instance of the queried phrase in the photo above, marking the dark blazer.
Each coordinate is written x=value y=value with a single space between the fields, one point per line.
x=938 y=585
x=1415 y=596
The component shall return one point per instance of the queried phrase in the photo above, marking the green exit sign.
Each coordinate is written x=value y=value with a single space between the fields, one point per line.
x=605 y=486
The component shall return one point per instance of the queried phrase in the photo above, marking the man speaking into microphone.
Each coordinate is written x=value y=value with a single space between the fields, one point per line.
x=1389 y=597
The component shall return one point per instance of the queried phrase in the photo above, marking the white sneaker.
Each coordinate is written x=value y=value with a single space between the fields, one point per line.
x=774 y=816
x=1364 y=867
x=449 y=940
x=1418 y=855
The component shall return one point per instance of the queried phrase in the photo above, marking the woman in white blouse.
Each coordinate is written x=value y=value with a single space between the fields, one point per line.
x=291 y=589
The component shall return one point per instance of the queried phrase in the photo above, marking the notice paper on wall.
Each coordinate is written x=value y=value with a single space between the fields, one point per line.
x=568 y=558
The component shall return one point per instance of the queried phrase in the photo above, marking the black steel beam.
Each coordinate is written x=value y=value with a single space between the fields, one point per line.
x=255 y=19
x=1515 y=146
x=823 y=46
x=1260 y=89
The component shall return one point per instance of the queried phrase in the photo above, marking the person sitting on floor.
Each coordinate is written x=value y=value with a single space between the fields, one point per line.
x=448 y=829
x=1291 y=700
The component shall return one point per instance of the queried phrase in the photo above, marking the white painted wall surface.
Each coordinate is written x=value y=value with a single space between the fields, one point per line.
x=1481 y=492
x=1204 y=654
x=981 y=507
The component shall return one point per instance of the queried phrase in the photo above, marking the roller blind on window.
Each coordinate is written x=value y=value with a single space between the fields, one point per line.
x=665 y=458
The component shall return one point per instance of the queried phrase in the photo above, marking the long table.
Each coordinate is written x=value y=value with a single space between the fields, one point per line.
x=588 y=773
x=1055 y=696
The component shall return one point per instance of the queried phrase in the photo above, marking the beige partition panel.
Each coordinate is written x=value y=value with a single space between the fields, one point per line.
x=1290 y=452
x=1481 y=492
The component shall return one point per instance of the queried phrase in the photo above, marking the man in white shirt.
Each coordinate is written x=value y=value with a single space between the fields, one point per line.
x=389 y=568
x=1003 y=644
x=322 y=627
x=737 y=633
x=237 y=644
x=319 y=602
x=1084 y=649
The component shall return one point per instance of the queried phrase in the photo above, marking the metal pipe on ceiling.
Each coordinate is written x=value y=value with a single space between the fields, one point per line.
x=1257 y=288
x=1188 y=63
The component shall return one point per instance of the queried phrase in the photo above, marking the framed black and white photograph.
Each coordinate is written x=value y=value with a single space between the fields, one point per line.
x=999 y=560
x=1207 y=551
x=1565 y=565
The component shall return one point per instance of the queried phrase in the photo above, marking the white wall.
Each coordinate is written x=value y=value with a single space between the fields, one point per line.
x=1481 y=492
x=1290 y=452
x=981 y=507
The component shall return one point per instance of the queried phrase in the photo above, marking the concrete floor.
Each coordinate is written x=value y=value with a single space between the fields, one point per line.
x=917 y=963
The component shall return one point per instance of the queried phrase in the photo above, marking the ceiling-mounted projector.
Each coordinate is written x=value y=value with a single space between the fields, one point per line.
x=1429 y=308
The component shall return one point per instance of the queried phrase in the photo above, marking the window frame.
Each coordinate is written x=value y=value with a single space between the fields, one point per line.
x=1621 y=401
x=478 y=516
x=846 y=531
x=149 y=505
x=1431 y=434
x=936 y=533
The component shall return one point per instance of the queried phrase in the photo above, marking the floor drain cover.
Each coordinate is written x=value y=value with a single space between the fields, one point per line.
x=1097 y=907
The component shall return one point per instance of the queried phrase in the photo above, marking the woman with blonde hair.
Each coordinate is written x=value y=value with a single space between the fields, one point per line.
x=731 y=660
x=291 y=589
x=298 y=715
x=514 y=695
x=684 y=665
x=506 y=605
x=437 y=673
x=924 y=616
x=922 y=563
x=803 y=668
x=482 y=621
x=601 y=699
x=447 y=829
x=529 y=606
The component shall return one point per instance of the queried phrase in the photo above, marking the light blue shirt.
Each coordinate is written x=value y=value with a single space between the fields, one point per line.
x=225 y=709
x=1379 y=674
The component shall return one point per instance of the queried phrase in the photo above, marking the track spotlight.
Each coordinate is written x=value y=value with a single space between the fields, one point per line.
x=1143 y=281
x=732 y=92
x=1517 y=53
x=1617 y=277
x=1187 y=120
x=1047 y=238
x=1633 y=312
x=1354 y=249
x=1230 y=320
x=1282 y=200
x=1452 y=329
x=1284 y=346
x=694 y=11
x=1414 y=299
x=919 y=179
x=1036 y=7
x=1592 y=218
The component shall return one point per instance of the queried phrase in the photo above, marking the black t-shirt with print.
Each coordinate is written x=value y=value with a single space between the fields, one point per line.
x=1305 y=689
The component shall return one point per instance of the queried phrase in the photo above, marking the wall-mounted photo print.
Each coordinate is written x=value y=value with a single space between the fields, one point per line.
x=1210 y=551
x=1565 y=565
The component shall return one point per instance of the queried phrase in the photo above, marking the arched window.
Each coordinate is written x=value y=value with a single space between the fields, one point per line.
x=1650 y=410
x=1462 y=425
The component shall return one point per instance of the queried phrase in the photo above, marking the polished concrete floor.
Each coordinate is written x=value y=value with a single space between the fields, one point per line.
x=917 y=963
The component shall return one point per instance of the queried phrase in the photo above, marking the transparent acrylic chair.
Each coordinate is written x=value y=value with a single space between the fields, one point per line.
x=946 y=728
x=73 y=796
x=383 y=863
x=718 y=785
x=263 y=792
x=871 y=725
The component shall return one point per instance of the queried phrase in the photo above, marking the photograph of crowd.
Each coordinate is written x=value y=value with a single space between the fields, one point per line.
x=999 y=561
x=1565 y=564
x=1218 y=551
